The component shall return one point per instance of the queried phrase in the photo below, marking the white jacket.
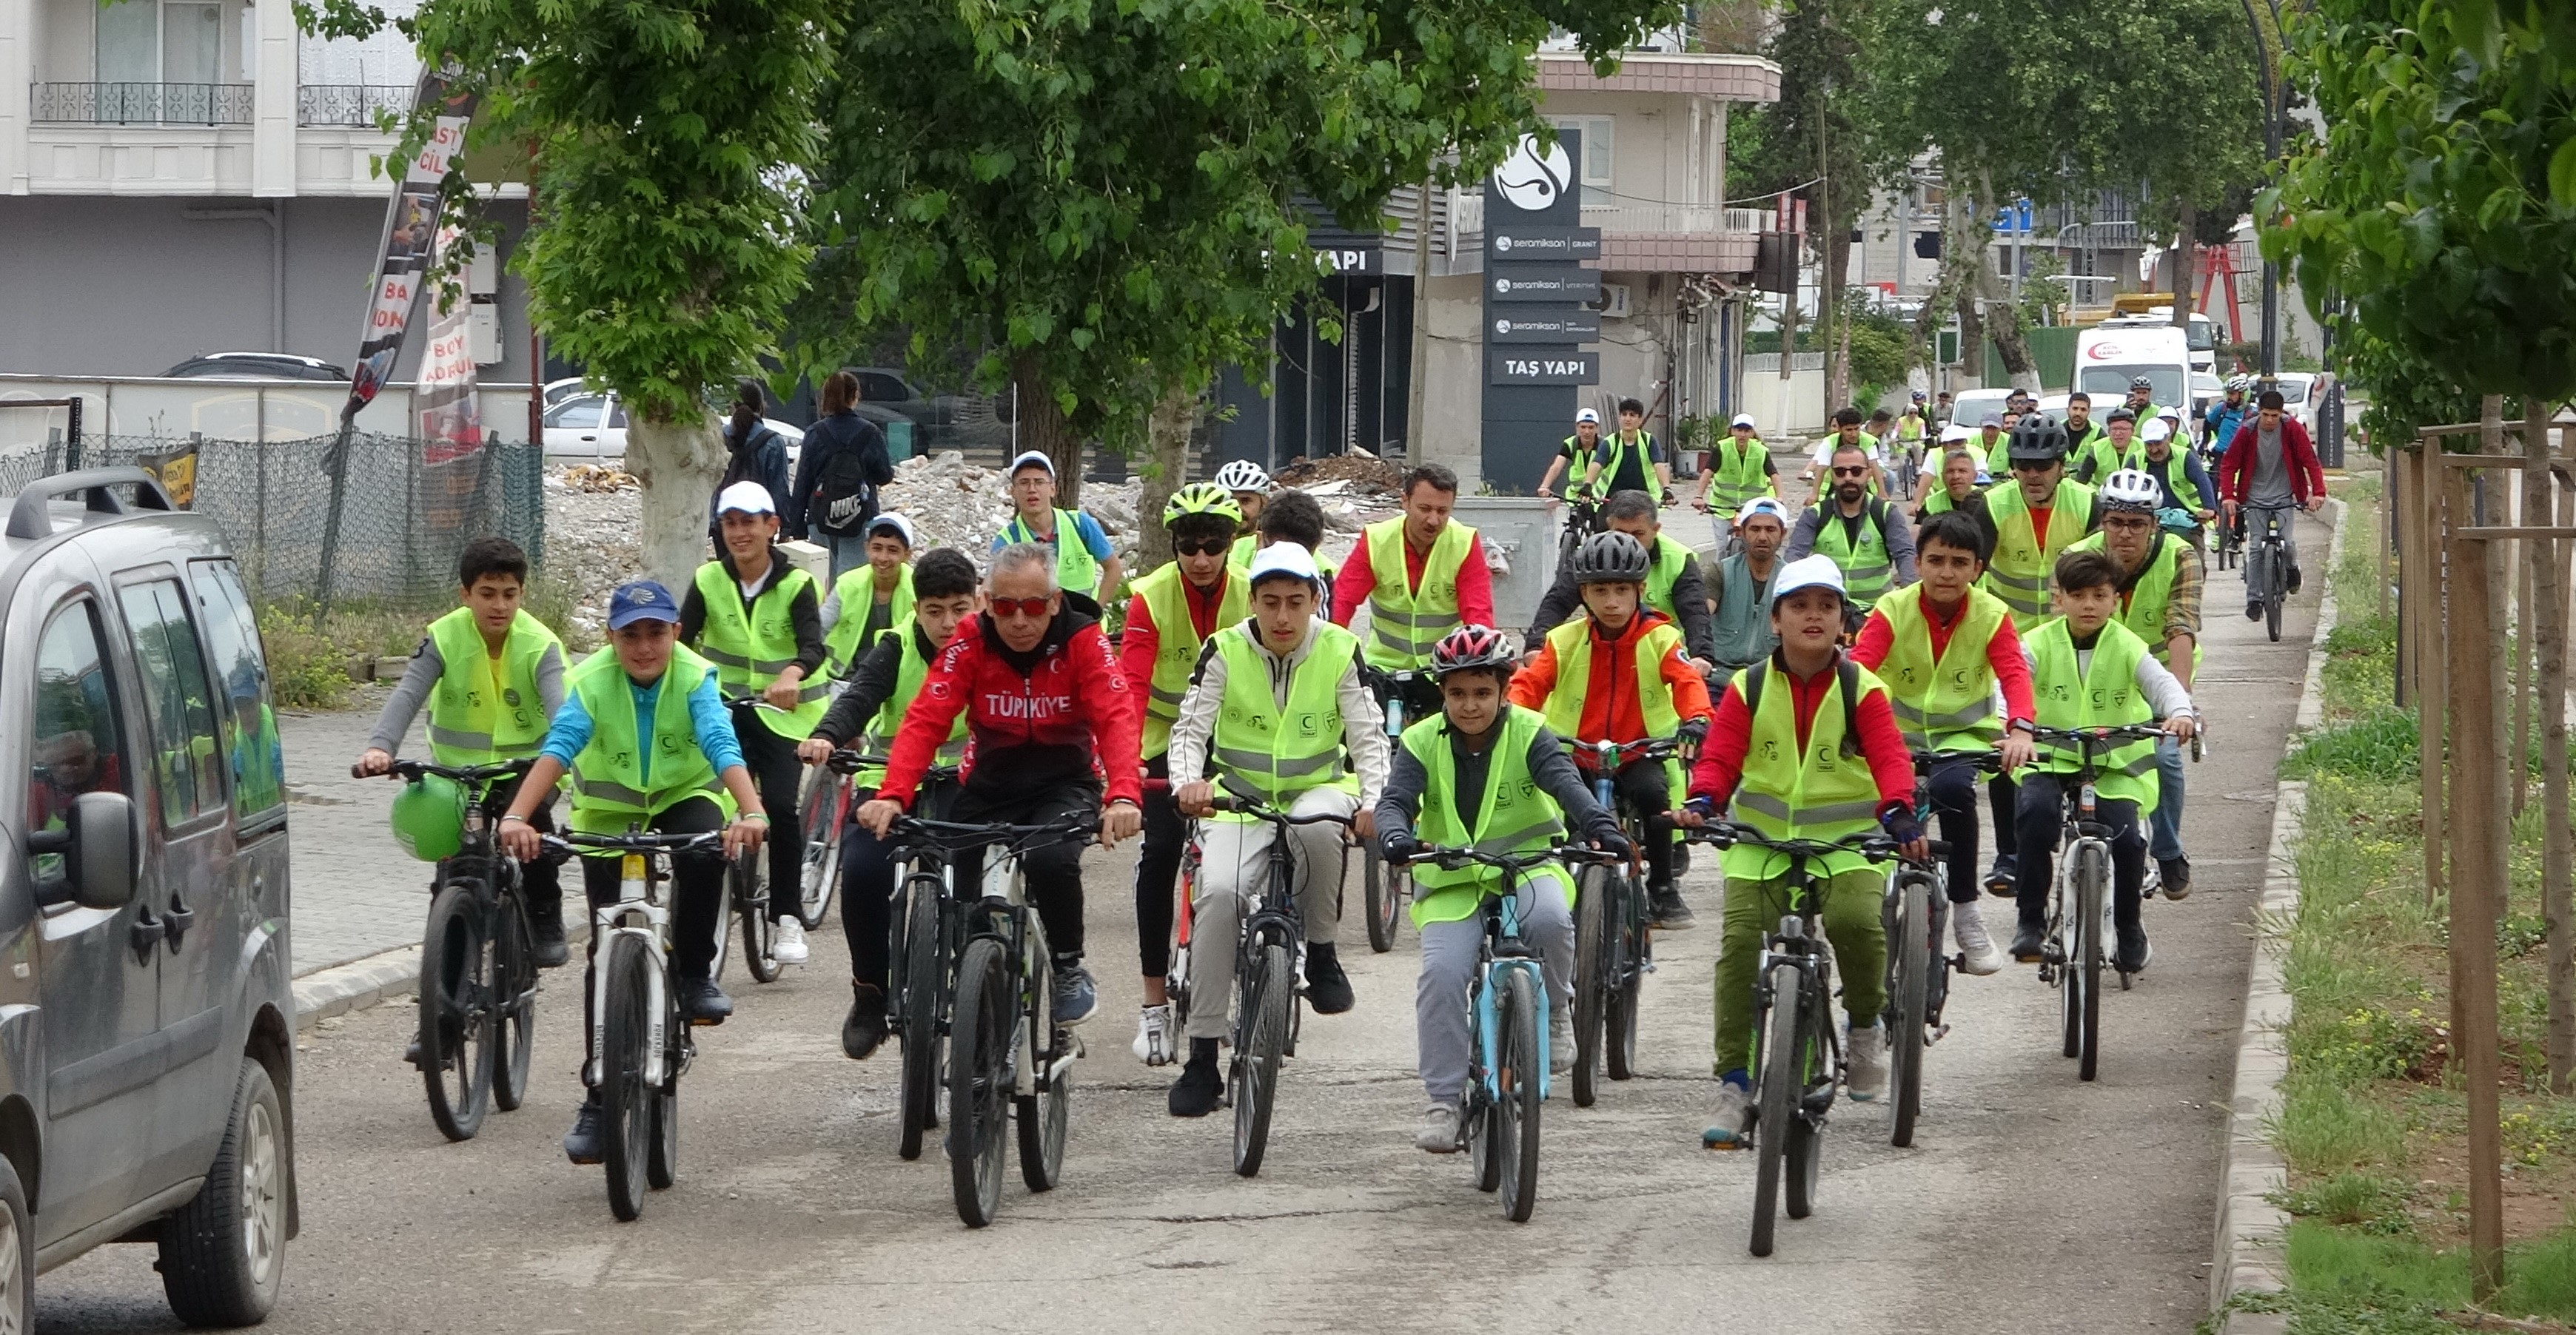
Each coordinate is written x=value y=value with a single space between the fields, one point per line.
x=1362 y=724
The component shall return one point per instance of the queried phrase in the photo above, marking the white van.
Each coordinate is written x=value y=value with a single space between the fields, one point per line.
x=2111 y=354
x=2203 y=336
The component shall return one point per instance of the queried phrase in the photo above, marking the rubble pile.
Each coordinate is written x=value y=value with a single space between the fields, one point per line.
x=953 y=503
x=600 y=478
x=1366 y=473
x=591 y=527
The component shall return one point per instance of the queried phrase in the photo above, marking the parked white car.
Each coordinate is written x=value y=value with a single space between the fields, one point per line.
x=2299 y=397
x=591 y=428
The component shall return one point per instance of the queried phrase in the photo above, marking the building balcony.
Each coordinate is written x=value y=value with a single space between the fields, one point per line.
x=353 y=105
x=142 y=104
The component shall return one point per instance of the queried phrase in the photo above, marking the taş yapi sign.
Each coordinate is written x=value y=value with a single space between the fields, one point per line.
x=1535 y=324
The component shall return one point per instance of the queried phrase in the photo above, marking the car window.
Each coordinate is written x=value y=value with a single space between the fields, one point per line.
x=185 y=764
x=252 y=748
x=77 y=740
x=576 y=413
x=881 y=387
x=617 y=414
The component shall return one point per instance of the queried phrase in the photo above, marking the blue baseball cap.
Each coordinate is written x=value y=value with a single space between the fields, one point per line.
x=643 y=600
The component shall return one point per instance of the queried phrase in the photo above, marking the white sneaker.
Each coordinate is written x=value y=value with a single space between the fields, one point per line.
x=1560 y=1043
x=1968 y=927
x=1153 y=1044
x=789 y=948
x=1439 y=1132
x=1726 y=1120
x=1865 y=1059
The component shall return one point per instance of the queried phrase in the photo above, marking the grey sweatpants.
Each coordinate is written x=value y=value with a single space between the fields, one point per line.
x=1234 y=865
x=1449 y=951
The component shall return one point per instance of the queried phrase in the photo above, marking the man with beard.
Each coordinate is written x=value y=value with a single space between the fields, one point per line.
x=1864 y=536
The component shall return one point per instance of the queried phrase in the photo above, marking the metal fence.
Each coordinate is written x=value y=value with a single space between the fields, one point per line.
x=143 y=103
x=403 y=519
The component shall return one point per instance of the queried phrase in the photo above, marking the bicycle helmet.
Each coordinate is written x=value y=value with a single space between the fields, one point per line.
x=2139 y=382
x=2238 y=384
x=1473 y=647
x=1243 y=475
x=1610 y=558
x=2131 y=489
x=1203 y=498
x=429 y=817
x=2036 y=437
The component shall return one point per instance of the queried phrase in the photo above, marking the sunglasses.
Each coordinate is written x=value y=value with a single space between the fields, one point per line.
x=1020 y=607
x=1862 y=471
x=2033 y=465
x=1201 y=546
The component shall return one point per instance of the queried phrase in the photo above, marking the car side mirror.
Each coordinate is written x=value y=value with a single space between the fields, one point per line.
x=98 y=848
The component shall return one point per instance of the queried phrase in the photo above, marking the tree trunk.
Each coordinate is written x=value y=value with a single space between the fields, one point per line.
x=1043 y=427
x=2185 y=268
x=2000 y=311
x=1835 y=253
x=2548 y=607
x=1167 y=455
x=679 y=464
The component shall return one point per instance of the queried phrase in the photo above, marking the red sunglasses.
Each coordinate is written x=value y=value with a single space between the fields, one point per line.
x=1026 y=607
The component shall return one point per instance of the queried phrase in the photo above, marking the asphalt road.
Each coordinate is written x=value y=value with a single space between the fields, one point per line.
x=2030 y=1202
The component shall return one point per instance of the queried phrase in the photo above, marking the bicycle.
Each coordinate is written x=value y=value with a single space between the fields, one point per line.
x=2079 y=906
x=2231 y=543
x=918 y=957
x=1613 y=946
x=1582 y=520
x=478 y=1000
x=1385 y=889
x=2267 y=563
x=823 y=807
x=1798 y=1057
x=1915 y=911
x=639 y=1048
x=747 y=888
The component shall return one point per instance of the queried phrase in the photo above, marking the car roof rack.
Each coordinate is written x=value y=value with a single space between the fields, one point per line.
x=31 y=518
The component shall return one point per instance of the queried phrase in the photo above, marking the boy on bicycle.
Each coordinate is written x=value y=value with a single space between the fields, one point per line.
x=647 y=742
x=883 y=683
x=1486 y=773
x=2089 y=671
x=869 y=601
x=759 y=620
x=491 y=675
x=1619 y=674
x=1272 y=704
x=1943 y=646
x=1805 y=746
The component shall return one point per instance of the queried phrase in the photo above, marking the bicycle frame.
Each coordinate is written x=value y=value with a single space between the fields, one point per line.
x=1002 y=912
x=1501 y=951
x=639 y=912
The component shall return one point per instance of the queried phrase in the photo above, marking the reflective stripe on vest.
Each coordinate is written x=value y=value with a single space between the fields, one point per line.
x=856 y=593
x=1867 y=569
x=1274 y=752
x=610 y=787
x=1076 y=569
x=466 y=725
x=1513 y=815
x=1177 y=642
x=1820 y=793
x=1949 y=704
x=910 y=670
x=1405 y=622
x=2105 y=694
x=751 y=646
x=1572 y=644
x=2019 y=572
x=1736 y=472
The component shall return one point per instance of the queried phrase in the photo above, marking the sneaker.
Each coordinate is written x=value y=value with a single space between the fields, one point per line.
x=546 y=933
x=1153 y=1044
x=2254 y=610
x=789 y=948
x=1439 y=1131
x=1328 y=989
x=411 y=1051
x=2002 y=878
x=866 y=1026
x=1865 y=1064
x=1665 y=911
x=1201 y=1086
x=1075 y=997
x=2134 y=951
x=2176 y=876
x=701 y=1001
x=1968 y=927
x=1560 y=1042
x=2294 y=579
x=2026 y=944
x=581 y=1144
x=1681 y=859
x=1727 y=1128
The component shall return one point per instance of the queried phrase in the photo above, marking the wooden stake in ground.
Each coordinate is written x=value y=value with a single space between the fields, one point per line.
x=2477 y=887
x=2547 y=606
x=2424 y=594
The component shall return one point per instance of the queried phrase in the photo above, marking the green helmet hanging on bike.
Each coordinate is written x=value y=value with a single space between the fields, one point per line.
x=429 y=817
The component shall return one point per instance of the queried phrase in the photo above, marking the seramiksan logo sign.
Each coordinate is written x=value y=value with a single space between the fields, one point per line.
x=1532 y=178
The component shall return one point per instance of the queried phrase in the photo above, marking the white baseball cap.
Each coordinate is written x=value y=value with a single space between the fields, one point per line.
x=1807 y=572
x=901 y=526
x=2159 y=430
x=1762 y=505
x=1742 y=419
x=1282 y=558
x=1027 y=457
x=1954 y=433
x=1587 y=415
x=748 y=498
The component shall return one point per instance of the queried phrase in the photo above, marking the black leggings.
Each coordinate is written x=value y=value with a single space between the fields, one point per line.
x=1158 y=870
x=1053 y=871
x=2043 y=819
x=696 y=894
x=1642 y=784
x=777 y=772
x=1954 y=802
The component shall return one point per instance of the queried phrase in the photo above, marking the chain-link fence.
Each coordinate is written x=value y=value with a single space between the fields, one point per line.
x=402 y=519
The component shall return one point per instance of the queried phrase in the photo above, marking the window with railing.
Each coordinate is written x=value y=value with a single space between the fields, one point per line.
x=351 y=104
x=143 y=103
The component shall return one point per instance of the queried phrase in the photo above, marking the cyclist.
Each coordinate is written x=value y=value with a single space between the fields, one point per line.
x=1631 y=460
x=1482 y=772
x=2159 y=600
x=2115 y=448
x=1086 y=568
x=646 y=740
x=1617 y=674
x=2185 y=499
x=2082 y=432
x=1421 y=575
x=870 y=599
x=1294 y=516
x=1672 y=583
x=2270 y=466
x=1866 y=537
x=1170 y=613
x=1251 y=488
x=885 y=680
x=1962 y=477
x=1847 y=433
x=1783 y=757
x=1740 y=591
x=1993 y=444
x=760 y=621
x=2222 y=418
x=1049 y=717
x=2141 y=401
x=2087 y=670
x=491 y=675
x=1944 y=647
x=1273 y=704
x=2041 y=514
x=1573 y=456
x=1735 y=470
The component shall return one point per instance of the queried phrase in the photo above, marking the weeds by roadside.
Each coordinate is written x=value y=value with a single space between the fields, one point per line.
x=308 y=657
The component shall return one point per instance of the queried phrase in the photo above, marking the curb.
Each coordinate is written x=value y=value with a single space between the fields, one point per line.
x=356 y=985
x=2247 y=1255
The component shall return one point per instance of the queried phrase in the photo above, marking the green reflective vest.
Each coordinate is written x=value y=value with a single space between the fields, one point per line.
x=611 y=786
x=1867 y=567
x=1076 y=569
x=2020 y=569
x=1671 y=558
x=1177 y=644
x=1405 y=622
x=1572 y=643
x=467 y=726
x=751 y=646
x=856 y=590
x=1823 y=792
x=2145 y=601
x=1280 y=753
x=1948 y=703
x=1513 y=816
x=2107 y=457
x=1644 y=444
x=909 y=672
x=1738 y=473
x=2177 y=480
x=1577 y=459
x=2105 y=694
x=1239 y=557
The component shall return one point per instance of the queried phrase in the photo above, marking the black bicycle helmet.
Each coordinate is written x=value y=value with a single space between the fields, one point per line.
x=2037 y=437
x=1610 y=558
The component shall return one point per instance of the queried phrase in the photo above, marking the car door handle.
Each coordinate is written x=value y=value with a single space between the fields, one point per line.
x=146 y=936
x=174 y=924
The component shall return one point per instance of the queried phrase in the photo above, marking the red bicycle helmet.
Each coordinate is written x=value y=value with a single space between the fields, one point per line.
x=1473 y=647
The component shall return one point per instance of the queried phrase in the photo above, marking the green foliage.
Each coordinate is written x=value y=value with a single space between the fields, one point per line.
x=2384 y=1272
x=2379 y=746
x=2365 y=1201
x=2323 y=1127
x=307 y=669
x=1881 y=353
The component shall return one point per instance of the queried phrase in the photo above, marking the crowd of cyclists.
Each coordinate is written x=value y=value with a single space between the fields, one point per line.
x=1945 y=592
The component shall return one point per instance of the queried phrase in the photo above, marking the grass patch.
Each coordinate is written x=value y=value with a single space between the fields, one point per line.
x=2378 y=745
x=307 y=668
x=2326 y=1127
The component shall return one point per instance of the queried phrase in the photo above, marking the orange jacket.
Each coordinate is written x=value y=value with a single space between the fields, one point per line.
x=1611 y=710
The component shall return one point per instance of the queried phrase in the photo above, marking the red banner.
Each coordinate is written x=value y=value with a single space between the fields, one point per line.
x=411 y=230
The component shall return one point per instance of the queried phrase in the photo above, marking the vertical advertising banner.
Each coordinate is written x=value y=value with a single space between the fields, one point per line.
x=451 y=424
x=411 y=231
x=1536 y=284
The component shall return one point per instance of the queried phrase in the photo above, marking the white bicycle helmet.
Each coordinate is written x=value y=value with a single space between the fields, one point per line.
x=2131 y=489
x=1243 y=475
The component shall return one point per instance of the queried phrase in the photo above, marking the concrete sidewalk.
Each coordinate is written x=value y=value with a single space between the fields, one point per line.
x=356 y=892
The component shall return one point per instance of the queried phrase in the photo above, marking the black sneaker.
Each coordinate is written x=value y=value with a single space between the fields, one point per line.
x=411 y=1051
x=2254 y=610
x=2294 y=579
x=2134 y=952
x=581 y=1144
x=701 y=1001
x=546 y=933
x=2003 y=878
x=1201 y=1086
x=2174 y=875
x=2026 y=944
x=1681 y=859
x=1665 y=911
x=1328 y=989
x=866 y=1026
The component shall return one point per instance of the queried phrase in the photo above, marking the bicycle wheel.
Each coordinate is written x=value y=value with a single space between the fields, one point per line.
x=979 y=1079
x=1042 y=1118
x=1481 y=1114
x=922 y=996
x=2091 y=880
x=749 y=880
x=456 y=1012
x=1268 y=995
x=662 y=1155
x=1595 y=965
x=1627 y=954
x=2276 y=591
x=1778 y=1084
x=625 y=1104
x=826 y=806
x=1520 y=1079
x=1805 y=1148
x=1909 y=954
x=514 y=992
x=1383 y=888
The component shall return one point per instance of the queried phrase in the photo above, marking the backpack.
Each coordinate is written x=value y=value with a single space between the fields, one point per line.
x=1846 y=674
x=843 y=498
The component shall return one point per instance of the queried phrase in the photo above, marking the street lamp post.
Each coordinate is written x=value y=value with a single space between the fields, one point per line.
x=2272 y=136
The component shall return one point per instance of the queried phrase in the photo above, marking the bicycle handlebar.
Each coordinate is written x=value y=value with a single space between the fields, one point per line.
x=957 y=835
x=1644 y=748
x=1727 y=834
x=641 y=842
x=465 y=774
x=1458 y=859
x=2089 y=738
x=1260 y=810
x=1987 y=761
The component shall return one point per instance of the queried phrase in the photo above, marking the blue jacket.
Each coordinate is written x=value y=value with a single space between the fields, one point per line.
x=762 y=459
x=2222 y=422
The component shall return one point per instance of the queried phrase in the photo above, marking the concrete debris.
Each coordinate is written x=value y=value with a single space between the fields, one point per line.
x=591 y=542
x=1366 y=472
x=599 y=478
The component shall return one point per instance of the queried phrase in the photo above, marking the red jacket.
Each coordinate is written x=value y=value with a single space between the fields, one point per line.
x=1069 y=716
x=1612 y=710
x=2236 y=467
